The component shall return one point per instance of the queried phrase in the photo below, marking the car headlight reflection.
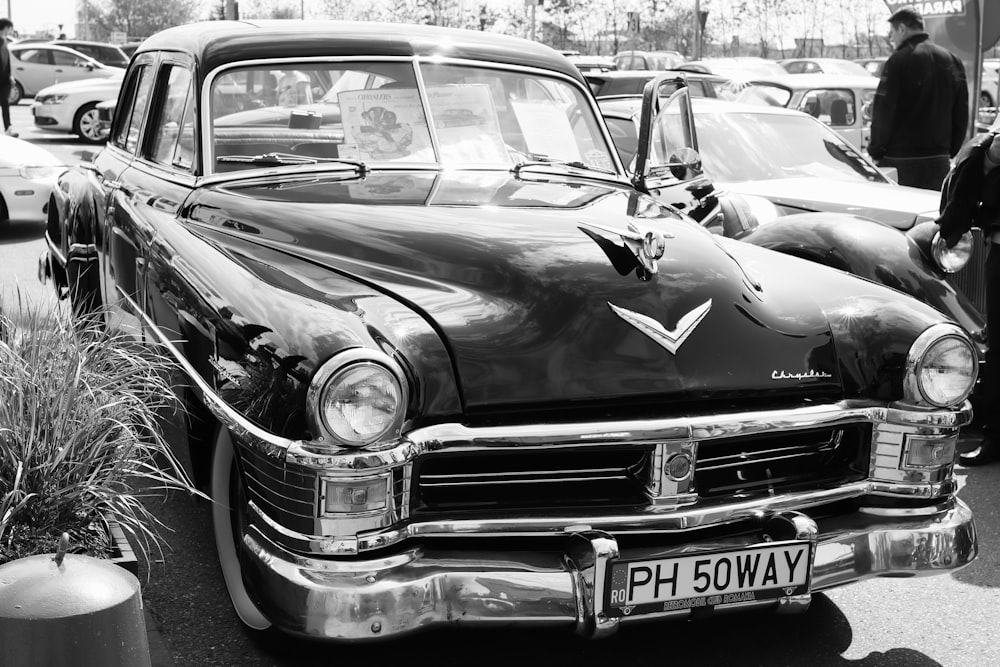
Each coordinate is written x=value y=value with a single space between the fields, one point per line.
x=357 y=399
x=952 y=259
x=34 y=173
x=942 y=367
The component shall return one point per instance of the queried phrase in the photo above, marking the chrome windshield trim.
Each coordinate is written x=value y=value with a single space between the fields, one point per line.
x=620 y=174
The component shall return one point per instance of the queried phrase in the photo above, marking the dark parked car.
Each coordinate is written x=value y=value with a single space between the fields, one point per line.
x=630 y=83
x=471 y=373
x=104 y=53
x=648 y=60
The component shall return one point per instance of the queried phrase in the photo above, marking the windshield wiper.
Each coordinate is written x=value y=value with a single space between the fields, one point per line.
x=279 y=159
x=539 y=160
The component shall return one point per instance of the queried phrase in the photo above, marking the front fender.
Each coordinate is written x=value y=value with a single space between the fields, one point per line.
x=872 y=251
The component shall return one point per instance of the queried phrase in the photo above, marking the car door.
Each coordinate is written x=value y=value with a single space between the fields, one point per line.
x=69 y=66
x=157 y=184
x=123 y=238
x=32 y=67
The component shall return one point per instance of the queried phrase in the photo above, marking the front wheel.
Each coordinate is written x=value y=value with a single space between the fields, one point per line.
x=228 y=517
x=87 y=124
x=15 y=94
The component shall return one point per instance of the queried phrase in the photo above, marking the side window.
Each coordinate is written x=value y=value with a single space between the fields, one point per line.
x=37 y=56
x=63 y=59
x=174 y=120
x=125 y=133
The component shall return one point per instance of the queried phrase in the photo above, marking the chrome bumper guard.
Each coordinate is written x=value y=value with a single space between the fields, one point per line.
x=423 y=587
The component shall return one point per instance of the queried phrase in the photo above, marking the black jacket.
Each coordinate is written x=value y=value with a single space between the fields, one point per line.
x=921 y=106
x=970 y=198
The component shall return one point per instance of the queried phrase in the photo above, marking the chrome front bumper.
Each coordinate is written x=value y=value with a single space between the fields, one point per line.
x=424 y=587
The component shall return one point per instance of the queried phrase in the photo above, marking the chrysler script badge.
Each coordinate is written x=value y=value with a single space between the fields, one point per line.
x=647 y=248
x=667 y=338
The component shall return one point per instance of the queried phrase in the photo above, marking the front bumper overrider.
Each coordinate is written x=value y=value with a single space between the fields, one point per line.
x=429 y=586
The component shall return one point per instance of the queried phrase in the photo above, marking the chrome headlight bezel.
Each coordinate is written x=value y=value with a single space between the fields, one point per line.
x=340 y=367
x=923 y=352
x=952 y=260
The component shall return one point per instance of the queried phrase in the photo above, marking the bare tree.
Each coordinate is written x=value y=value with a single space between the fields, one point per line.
x=136 y=18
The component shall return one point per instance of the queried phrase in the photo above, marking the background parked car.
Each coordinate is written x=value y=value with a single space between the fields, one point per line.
x=736 y=68
x=102 y=52
x=128 y=48
x=27 y=176
x=823 y=66
x=648 y=60
x=630 y=83
x=72 y=107
x=37 y=65
x=784 y=163
x=873 y=65
x=841 y=101
x=586 y=63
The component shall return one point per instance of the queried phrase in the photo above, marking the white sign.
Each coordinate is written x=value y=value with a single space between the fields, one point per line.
x=931 y=9
x=633 y=22
x=118 y=37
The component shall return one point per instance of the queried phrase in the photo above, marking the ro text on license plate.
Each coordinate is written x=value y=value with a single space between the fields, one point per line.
x=708 y=579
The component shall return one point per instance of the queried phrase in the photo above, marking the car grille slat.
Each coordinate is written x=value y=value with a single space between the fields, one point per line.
x=971 y=280
x=595 y=476
x=537 y=479
x=779 y=461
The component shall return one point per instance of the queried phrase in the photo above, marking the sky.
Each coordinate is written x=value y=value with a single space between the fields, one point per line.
x=30 y=16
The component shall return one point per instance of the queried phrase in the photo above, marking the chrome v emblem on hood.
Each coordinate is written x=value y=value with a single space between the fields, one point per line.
x=668 y=339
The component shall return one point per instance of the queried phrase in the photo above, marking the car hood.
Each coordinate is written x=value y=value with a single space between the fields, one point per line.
x=111 y=84
x=530 y=287
x=890 y=204
x=18 y=152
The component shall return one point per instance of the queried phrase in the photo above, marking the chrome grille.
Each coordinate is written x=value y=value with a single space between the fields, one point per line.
x=971 y=280
x=782 y=461
x=541 y=479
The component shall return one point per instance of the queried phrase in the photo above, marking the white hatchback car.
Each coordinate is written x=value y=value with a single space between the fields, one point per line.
x=72 y=107
x=27 y=175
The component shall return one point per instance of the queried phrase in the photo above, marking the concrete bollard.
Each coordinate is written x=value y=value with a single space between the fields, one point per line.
x=68 y=610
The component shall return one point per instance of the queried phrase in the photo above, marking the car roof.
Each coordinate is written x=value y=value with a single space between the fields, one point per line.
x=817 y=80
x=628 y=106
x=49 y=45
x=217 y=43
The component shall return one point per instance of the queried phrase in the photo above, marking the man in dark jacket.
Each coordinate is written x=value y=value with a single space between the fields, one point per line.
x=921 y=110
x=6 y=28
x=971 y=198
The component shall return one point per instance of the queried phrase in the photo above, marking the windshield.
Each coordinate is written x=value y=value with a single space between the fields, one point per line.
x=747 y=146
x=376 y=112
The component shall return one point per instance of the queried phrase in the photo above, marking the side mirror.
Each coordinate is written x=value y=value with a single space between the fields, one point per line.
x=685 y=164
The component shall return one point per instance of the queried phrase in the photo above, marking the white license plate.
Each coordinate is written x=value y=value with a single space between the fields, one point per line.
x=708 y=579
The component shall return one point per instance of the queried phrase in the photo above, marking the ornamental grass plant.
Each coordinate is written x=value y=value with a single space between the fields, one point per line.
x=80 y=436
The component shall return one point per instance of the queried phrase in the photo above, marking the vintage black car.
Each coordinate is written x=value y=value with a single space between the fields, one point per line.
x=468 y=372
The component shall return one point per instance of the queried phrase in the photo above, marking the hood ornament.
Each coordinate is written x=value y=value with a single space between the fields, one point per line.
x=669 y=339
x=647 y=247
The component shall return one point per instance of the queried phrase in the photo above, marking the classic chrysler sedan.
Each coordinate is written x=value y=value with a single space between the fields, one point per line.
x=447 y=364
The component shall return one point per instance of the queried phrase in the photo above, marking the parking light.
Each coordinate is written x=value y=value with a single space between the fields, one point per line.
x=355 y=496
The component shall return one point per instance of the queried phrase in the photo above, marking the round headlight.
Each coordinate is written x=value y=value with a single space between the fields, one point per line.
x=945 y=369
x=358 y=402
x=952 y=259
